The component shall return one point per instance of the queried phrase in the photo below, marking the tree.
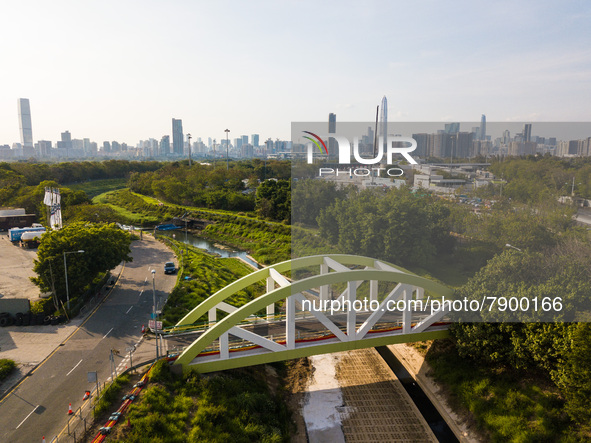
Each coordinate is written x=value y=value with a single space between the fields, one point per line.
x=273 y=200
x=104 y=246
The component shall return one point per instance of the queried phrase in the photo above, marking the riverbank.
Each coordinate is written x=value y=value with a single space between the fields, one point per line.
x=419 y=369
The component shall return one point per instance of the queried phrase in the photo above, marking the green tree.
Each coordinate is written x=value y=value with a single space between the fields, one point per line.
x=273 y=200
x=104 y=246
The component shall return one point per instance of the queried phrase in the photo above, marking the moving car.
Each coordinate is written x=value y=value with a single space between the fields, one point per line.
x=169 y=267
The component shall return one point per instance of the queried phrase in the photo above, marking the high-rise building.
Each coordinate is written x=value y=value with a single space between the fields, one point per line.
x=244 y=140
x=527 y=132
x=165 y=145
x=44 y=148
x=452 y=128
x=178 y=141
x=255 y=140
x=482 y=127
x=24 y=120
x=383 y=130
x=65 y=142
x=332 y=129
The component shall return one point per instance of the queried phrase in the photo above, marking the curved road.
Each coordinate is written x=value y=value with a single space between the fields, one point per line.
x=38 y=406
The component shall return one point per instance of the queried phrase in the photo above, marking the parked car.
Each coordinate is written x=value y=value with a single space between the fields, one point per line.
x=169 y=267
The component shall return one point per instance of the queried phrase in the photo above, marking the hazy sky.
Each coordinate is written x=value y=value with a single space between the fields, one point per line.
x=120 y=70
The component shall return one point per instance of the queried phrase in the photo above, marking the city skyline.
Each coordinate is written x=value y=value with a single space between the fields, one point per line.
x=106 y=75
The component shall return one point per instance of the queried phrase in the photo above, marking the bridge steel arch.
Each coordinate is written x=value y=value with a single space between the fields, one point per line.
x=354 y=337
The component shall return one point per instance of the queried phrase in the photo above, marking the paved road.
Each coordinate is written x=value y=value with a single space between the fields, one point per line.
x=38 y=406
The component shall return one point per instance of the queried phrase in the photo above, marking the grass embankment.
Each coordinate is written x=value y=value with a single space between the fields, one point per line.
x=236 y=405
x=110 y=395
x=97 y=187
x=207 y=276
x=268 y=242
x=6 y=367
x=508 y=406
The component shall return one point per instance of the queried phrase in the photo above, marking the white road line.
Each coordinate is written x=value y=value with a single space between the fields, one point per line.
x=105 y=336
x=129 y=309
x=27 y=417
x=74 y=368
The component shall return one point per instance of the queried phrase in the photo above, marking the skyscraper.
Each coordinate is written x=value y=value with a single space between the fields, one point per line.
x=255 y=140
x=527 y=132
x=332 y=129
x=177 y=137
x=165 y=145
x=483 y=127
x=383 y=131
x=24 y=120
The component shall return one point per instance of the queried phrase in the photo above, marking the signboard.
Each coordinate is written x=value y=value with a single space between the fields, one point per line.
x=91 y=377
x=155 y=324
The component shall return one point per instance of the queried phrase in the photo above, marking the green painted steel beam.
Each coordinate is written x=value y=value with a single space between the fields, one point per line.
x=289 y=265
x=299 y=286
x=308 y=351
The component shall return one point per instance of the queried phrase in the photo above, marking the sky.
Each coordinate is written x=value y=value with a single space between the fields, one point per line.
x=121 y=70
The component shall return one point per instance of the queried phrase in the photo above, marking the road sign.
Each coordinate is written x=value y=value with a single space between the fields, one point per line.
x=155 y=324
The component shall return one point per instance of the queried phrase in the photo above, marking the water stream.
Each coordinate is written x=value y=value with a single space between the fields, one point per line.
x=437 y=424
x=207 y=245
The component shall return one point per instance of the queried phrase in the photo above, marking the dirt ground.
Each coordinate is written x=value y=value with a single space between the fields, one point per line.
x=16 y=266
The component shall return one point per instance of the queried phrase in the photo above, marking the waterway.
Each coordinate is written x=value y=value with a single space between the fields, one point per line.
x=437 y=424
x=206 y=245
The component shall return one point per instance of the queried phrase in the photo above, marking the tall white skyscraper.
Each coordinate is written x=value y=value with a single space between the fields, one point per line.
x=383 y=130
x=24 y=120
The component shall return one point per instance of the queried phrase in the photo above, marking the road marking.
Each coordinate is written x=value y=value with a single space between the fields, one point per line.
x=8 y=394
x=105 y=336
x=74 y=368
x=27 y=417
x=129 y=309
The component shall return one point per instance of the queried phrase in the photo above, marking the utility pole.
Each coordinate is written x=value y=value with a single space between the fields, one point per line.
x=189 y=138
x=154 y=310
x=227 y=131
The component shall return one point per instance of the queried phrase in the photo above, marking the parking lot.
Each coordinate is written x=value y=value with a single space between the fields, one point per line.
x=16 y=267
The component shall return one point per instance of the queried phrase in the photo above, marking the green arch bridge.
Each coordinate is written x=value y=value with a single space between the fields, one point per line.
x=303 y=327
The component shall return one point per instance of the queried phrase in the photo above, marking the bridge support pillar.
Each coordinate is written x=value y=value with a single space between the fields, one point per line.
x=271 y=307
x=407 y=313
x=290 y=308
x=351 y=313
x=373 y=290
x=224 y=346
x=323 y=288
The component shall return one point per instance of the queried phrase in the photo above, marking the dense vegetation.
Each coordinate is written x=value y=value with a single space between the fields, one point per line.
x=232 y=189
x=268 y=242
x=104 y=246
x=235 y=405
x=202 y=276
x=535 y=179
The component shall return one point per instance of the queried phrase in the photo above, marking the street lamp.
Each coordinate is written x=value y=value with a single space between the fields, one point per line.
x=513 y=247
x=154 y=309
x=227 y=131
x=66 y=271
x=189 y=138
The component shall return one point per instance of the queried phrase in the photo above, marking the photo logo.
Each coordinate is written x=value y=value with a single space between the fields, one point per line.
x=395 y=145
x=315 y=142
